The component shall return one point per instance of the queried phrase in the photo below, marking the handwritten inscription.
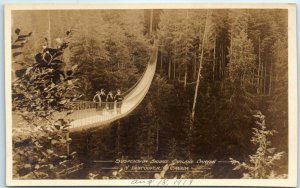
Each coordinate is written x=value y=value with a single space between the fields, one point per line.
x=162 y=182
x=142 y=182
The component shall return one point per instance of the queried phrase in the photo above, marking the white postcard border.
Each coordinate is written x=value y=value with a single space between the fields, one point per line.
x=291 y=181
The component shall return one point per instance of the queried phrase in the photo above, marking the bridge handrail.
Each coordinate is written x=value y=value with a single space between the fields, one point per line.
x=141 y=77
x=127 y=97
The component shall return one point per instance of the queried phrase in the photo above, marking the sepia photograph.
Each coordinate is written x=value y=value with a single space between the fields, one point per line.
x=162 y=95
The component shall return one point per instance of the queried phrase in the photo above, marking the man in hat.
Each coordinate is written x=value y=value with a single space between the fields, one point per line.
x=110 y=102
x=118 y=99
x=103 y=98
x=97 y=100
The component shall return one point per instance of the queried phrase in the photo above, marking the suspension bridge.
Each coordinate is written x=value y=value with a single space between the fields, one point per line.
x=86 y=116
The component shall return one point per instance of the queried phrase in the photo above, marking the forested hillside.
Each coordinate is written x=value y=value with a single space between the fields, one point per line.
x=220 y=73
x=108 y=47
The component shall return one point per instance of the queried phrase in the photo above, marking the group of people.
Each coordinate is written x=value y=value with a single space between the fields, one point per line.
x=108 y=101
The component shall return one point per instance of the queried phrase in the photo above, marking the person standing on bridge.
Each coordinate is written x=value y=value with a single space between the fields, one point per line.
x=103 y=98
x=97 y=100
x=110 y=102
x=118 y=99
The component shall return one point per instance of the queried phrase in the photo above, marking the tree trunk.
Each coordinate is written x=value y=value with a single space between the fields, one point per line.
x=87 y=136
x=49 y=29
x=230 y=44
x=261 y=78
x=195 y=66
x=118 y=139
x=174 y=70
x=214 y=61
x=169 y=70
x=270 y=82
x=223 y=61
x=252 y=76
x=148 y=141
x=242 y=79
x=186 y=53
x=258 y=72
x=157 y=136
x=185 y=79
x=220 y=62
x=199 y=70
x=151 y=22
x=161 y=64
x=265 y=77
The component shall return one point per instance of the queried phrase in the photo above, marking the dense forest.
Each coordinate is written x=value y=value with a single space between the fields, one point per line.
x=220 y=91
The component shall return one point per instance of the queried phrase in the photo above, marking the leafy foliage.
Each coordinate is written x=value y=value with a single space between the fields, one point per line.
x=18 y=45
x=262 y=163
x=45 y=85
x=39 y=94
